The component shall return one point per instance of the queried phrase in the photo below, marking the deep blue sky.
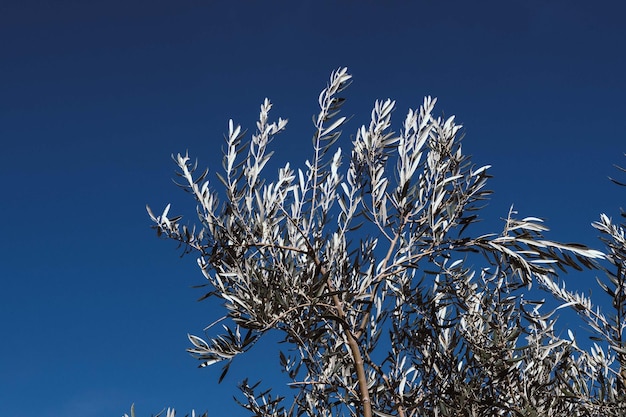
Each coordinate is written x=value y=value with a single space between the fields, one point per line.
x=95 y=96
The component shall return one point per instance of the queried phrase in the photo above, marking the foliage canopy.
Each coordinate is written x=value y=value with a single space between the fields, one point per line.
x=389 y=305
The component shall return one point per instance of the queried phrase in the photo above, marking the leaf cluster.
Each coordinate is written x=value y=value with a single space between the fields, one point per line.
x=365 y=263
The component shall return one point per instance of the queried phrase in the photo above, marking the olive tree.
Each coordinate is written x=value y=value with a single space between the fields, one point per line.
x=610 y=330
x=368 y=264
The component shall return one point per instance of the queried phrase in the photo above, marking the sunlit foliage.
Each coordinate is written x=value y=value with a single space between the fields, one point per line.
x=389 y=303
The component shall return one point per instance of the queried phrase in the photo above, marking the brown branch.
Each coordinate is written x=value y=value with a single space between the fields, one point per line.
x=352 y=343
x=356 y=352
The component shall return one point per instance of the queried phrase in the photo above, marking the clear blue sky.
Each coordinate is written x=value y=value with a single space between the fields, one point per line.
x=95 y=96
